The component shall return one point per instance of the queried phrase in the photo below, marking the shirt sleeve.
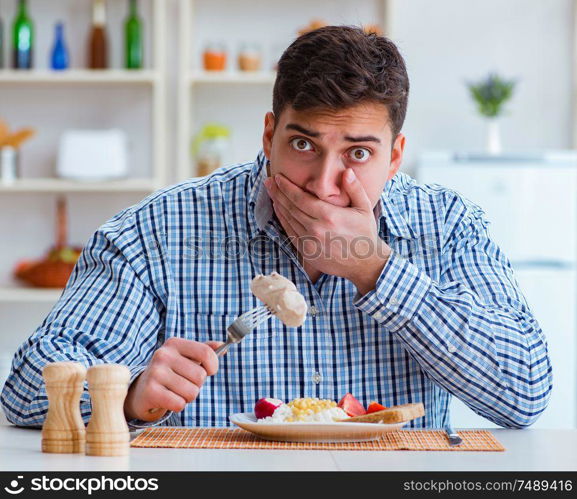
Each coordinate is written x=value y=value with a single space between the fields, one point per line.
x=111 y=311
x=472 y=331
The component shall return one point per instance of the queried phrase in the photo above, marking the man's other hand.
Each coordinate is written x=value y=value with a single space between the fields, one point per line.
x=342 y=241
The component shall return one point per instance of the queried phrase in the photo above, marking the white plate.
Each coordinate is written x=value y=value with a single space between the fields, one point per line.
x=313 y=432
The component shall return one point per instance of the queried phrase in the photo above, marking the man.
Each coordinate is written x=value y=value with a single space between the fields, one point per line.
x=409 y=299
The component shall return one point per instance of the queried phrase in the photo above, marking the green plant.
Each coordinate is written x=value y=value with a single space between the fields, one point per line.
x=491 y=93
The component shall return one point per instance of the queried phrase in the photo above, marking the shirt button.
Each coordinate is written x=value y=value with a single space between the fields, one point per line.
x=378 y=316
x=452 y=348
x=317 y=378
x=393 y=301
x=313 y=311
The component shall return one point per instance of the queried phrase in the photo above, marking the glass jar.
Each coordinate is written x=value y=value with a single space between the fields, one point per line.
x=214 y=57
x=250 y=57
x=210 y=147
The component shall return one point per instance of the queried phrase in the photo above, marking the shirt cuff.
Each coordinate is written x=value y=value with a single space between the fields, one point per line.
x=137 y=424
x=398 y=294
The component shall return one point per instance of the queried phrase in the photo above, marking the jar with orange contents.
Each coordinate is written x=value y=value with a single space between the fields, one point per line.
x=214 y=57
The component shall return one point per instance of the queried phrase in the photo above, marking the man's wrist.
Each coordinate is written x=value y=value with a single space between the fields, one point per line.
x=371 y=269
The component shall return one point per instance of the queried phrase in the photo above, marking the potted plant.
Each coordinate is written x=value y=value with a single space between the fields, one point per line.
x=490 y=94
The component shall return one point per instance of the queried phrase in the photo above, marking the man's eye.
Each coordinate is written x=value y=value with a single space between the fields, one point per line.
x=301 y=145
x=360 y=154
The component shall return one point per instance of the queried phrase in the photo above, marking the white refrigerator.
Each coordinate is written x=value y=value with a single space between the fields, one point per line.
x=530 y=201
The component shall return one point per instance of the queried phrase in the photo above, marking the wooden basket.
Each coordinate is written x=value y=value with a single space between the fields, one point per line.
x=46 y=274
x=52 y=271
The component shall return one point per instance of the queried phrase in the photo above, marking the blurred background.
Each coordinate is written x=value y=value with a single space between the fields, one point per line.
x=104 y=101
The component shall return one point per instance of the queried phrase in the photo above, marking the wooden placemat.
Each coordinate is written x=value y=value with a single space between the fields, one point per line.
x=224 y=438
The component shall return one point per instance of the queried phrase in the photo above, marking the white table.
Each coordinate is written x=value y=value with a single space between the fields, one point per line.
x=527 y=450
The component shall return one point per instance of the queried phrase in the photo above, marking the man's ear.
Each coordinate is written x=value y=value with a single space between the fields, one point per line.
x=269 y=122
x=396 y=156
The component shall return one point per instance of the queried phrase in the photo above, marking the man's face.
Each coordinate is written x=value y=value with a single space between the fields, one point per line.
x=313 y=148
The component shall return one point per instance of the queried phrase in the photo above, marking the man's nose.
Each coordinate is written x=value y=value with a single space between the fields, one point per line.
x=325 y=180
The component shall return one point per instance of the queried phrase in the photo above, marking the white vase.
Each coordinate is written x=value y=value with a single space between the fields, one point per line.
x=493 y=136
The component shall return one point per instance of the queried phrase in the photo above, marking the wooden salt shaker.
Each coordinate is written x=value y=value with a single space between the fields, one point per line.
x=63 y=430
x=107 y=433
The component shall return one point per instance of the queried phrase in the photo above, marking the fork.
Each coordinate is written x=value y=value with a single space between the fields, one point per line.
x=454 y=438
x=243 y=325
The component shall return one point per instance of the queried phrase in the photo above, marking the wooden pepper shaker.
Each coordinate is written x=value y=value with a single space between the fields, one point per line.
x=107 y=433
x=63 y=430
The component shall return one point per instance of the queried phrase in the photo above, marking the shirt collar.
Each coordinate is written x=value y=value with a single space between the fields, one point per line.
x=259 y=201
x=386 y=210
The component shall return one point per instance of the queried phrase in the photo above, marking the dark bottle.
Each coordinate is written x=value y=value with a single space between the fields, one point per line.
x=133 y=50
x=98 y=42
x=22 y=38
x=59 y=59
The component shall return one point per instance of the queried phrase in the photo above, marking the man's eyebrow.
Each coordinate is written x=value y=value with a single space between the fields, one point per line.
x=365 y=138
x=348 y=138
x=303 y=130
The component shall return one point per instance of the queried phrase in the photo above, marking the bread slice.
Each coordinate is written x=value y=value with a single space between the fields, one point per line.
x=395 y=414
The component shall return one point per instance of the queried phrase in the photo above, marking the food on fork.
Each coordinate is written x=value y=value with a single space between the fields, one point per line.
x=282 y=297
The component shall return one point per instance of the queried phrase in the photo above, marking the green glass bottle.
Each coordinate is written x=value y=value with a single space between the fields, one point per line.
x=133 y=50
x=22 y=38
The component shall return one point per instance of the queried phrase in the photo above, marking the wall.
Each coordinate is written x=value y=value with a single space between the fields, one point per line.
x=448 y=42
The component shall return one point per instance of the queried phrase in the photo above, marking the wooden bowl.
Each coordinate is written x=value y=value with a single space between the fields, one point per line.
x=45 y=274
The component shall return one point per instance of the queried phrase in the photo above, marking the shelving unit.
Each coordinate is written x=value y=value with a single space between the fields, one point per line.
x=79 y=76
x=55 y=185
x=152 y=78
x=150 y=83
x=13 y=295
x=192 y=79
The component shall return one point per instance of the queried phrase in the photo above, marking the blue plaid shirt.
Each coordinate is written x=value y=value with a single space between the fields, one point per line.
x=446 y=317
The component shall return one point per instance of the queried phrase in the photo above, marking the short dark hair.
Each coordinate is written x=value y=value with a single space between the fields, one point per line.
x=336 y=67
